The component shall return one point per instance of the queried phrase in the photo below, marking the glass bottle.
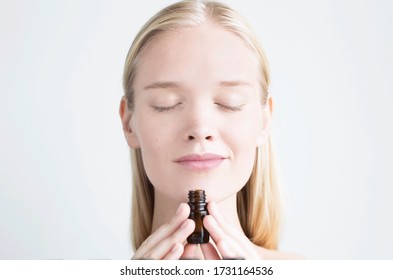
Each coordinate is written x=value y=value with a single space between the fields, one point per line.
x=197 y=202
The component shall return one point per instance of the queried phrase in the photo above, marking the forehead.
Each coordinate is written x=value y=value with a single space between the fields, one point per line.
x=202 y=55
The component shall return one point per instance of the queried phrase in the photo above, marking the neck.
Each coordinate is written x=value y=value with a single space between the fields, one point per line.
x=165 y=208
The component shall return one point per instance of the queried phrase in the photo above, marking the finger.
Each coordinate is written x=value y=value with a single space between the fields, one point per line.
x=213 y=228
x=218 y=236
x=229 y=230
x=220 y=221
x=230 y=241
x=189 y=252
x=175 y=252
x=215 y=212
x=226 y=251
x=164 y=231
x=179 y=236
x=210 y=252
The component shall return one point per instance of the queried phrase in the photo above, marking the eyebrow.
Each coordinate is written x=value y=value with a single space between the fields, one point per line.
x=166 y=85
x=162 y=85
x=235 y=83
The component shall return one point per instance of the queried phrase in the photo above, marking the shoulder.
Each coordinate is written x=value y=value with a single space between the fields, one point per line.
x=278 y=255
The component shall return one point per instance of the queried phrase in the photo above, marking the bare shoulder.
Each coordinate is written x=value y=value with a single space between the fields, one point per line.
x=278 y=255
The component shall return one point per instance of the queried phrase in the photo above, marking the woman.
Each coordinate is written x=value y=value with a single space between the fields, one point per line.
x=196 y=114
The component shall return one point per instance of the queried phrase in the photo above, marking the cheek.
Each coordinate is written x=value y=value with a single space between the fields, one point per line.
x=152 y=138
x=151 y=149
x=156 y=140
x=244 y=133
x=244 y=140
x=244 y=151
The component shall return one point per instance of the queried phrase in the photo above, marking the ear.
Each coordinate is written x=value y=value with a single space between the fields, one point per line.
x=266 y=119
x=129 y=132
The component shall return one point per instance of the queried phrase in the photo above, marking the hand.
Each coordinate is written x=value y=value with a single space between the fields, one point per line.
x=167 y=241
x=231 y=243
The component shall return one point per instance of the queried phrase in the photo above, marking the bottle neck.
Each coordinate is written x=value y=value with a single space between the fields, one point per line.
x=197 y=200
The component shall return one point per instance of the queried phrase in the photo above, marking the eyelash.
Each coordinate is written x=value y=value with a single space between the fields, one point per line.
x=164 y=109
x=223 y=107
x=230 y=108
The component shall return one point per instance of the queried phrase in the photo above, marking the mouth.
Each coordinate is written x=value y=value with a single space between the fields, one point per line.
x=200 y=162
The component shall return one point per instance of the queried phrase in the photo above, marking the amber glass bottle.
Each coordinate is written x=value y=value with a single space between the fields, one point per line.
x=197 y=202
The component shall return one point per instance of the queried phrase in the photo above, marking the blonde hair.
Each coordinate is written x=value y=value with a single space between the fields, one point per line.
x=258 y=202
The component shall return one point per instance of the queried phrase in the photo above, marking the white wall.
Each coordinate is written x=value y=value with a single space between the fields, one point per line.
x=64 y=165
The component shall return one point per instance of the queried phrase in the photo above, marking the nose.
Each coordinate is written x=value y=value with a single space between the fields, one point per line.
x=199 y=126
x=199 y=134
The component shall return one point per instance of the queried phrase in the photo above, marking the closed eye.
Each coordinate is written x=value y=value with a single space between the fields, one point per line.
x=165 y=108
x=230 y=108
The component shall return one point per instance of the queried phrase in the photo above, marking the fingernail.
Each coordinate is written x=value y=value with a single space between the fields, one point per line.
x=184 y=224
x=178 y=209
x=174 y=248
x=212 y=205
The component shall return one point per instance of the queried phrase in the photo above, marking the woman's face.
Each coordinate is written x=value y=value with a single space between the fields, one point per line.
x=198 y=117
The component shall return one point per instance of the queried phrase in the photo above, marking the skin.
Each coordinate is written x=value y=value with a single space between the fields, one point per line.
x=197 y=91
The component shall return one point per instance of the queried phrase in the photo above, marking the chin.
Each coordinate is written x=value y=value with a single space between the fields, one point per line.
x=216 y=189
x=219 y=196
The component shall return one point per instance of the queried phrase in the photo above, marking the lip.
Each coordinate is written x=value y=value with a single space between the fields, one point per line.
x=200 y=162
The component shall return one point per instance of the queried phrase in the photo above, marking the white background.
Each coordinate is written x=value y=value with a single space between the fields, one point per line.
x=65 y=184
